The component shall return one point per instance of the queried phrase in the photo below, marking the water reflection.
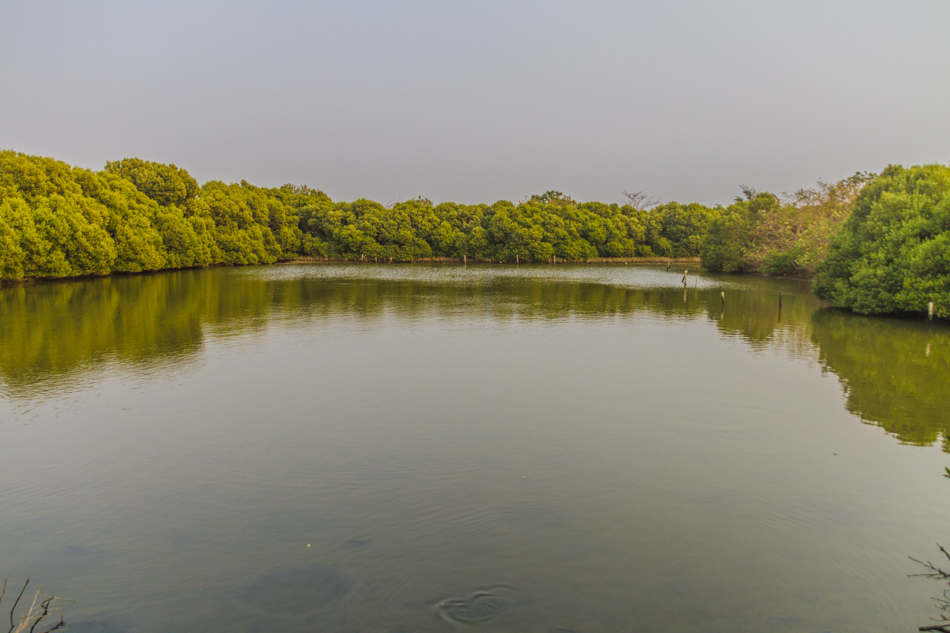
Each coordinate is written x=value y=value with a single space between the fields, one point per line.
x=893 y=372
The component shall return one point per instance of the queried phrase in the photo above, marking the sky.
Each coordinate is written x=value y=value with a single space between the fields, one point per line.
x=481 y=100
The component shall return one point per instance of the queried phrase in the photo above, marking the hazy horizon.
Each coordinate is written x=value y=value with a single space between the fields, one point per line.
x=476 y=102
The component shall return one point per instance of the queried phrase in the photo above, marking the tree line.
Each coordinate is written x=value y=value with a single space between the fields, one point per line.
x=874 y=243
x=136 y=215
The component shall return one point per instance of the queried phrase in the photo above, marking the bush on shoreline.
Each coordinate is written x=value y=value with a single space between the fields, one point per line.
x=893 y=253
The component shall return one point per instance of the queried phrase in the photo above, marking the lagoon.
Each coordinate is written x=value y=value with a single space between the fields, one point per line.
x=418 y=448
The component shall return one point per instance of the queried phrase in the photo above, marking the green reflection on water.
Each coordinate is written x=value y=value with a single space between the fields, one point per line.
x=894 y=372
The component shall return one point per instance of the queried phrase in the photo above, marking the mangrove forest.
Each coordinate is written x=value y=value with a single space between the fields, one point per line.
x=874 y=243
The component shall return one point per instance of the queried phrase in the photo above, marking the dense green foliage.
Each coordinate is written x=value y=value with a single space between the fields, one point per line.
x=879 y=244
x=893 y=253
x=533 y=231
x=762 y=233
x=874 y=244
x=59 y=221
x=136 y=215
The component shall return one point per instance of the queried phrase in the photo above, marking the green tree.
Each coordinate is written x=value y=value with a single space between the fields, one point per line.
x=165 y=184
x=893 y=253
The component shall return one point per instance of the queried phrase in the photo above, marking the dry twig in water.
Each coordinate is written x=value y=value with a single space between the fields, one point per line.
x=40 y=609
x=943 y=602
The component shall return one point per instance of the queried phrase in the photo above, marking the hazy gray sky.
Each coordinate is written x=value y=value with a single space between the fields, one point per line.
x=475 y=101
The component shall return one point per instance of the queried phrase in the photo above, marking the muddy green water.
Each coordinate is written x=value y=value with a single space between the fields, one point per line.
x=411 y=449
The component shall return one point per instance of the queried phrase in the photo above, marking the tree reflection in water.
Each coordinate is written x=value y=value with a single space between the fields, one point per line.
x=893 y=371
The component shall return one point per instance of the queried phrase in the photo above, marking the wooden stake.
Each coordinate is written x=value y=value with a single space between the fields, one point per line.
x=930 y=311
x=723 y=295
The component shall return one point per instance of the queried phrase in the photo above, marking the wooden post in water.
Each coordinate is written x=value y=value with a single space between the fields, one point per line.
x=930 y=311
x=723 y=295
x=685 y=272
x=517 y=259
x=465 y=259
x=553 y=259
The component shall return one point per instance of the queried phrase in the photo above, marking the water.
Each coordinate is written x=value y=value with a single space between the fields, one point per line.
x=411 y=449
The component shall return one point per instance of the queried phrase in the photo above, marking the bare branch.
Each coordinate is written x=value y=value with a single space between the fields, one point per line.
x=61 y=625
x=943 y=602
x=639 y=200
x=16 y=603
x=748 y=193
x=44 y=607
x=38 y=612
x=935 y=572
x=40 y=608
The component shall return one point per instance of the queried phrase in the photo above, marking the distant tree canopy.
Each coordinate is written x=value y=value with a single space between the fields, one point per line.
x=875 y=244
x=893 y=252
x=60 y=221
x=760 y=232
x=879 y=244
x=165 y=184
x=137 y=215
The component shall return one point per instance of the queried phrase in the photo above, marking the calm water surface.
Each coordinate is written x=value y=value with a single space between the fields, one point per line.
x=438 y=448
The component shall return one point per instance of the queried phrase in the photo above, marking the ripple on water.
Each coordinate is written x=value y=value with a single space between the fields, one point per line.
x=101 y=624
x=295 y=589
x=480 y=606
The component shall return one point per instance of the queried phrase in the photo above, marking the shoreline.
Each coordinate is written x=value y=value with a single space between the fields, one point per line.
x=472 y=260
x=340 y=260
